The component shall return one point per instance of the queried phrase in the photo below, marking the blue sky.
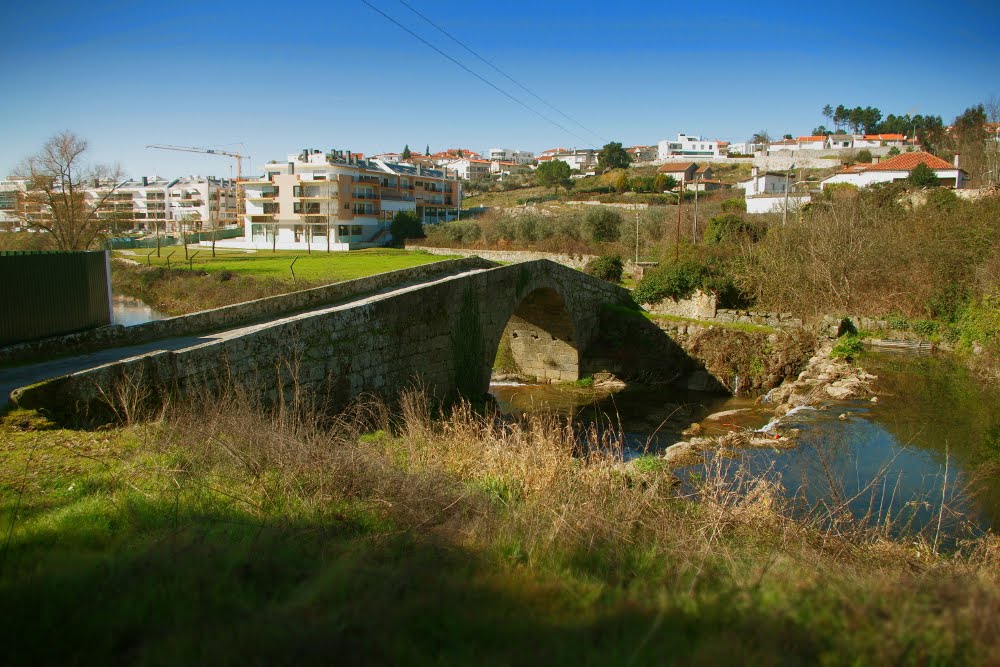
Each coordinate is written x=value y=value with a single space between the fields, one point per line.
x=278 y=77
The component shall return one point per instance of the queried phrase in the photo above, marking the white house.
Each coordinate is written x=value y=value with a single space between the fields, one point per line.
x=768 y=182
x=580 y=158
x=815 y=142
x=468 y=169
x=510 y=155
x=877 y=140
x=899 y=168
x=744 y=148
x=783 y=145
x=771 y=203
x=687 y=145
x=839 y=141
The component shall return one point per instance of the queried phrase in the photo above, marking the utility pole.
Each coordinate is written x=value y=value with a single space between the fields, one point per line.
x=784 y=214
x=694 y=225
x=677 y=244
x=637 y=235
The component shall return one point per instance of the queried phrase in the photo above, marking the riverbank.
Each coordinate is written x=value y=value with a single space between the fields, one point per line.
x=225 y=533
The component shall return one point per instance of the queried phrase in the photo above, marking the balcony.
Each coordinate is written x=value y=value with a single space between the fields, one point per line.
x=364 y=195
x=261 y=195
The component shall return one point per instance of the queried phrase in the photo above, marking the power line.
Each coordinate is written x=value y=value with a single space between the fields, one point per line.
x=502 y=73
x=476 y=74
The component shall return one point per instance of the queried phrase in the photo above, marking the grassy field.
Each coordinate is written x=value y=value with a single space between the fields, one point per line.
x=231 y=534
x=318 y=267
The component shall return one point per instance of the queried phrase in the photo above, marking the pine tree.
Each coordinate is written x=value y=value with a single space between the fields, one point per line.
x=406 y=152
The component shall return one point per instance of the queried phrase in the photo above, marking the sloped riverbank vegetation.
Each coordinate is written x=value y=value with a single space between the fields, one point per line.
x=229 y=532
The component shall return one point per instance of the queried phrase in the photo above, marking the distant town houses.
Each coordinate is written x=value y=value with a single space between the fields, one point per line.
x=898 y=168
x=687 y=145
x=339 y=201
x=836 y=142
x=643 y=153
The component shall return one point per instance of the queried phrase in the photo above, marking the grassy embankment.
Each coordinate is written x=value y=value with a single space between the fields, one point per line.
x=231 y=534
x=232 y=277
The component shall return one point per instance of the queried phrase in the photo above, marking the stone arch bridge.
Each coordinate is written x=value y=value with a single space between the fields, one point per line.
x=442 y=332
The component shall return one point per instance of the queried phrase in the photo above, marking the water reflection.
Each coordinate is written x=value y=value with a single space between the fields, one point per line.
x=884 y=459
x=128 y=311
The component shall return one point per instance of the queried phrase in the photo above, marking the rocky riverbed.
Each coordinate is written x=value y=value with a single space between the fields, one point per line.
x=823 y=381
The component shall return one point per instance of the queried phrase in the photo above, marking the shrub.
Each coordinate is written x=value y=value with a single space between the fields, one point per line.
x=893 y=152
x=863 y=155
x=605 y=267
x=603 y=224
x=848 y=347
x=674 y=281
x=406 y=225
x=943 y=200
x=734 y=205
x=922 y=176
x=731 y=229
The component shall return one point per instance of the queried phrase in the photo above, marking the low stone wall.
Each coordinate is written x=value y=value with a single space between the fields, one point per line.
x=514 y=256
x=230 y=316
x=703 y=306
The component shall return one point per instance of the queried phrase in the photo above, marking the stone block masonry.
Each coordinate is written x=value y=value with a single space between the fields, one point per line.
x=442 y=333
x=229 y=316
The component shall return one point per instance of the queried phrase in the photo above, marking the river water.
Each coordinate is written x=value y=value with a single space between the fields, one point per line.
x=884 y=459
x=128 y=311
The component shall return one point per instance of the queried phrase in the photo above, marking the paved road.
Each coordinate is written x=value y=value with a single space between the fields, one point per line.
x=20 y=376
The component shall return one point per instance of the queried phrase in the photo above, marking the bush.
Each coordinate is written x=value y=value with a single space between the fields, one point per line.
x=605 y=267
x=406 y=225
x=848 y=347
x=674 y=281
x=922 y=176
x=731 y=229
x=603 y=224
x=863 y=155
x=734 y=205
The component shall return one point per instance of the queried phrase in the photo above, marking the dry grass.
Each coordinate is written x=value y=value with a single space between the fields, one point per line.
x=549 y=518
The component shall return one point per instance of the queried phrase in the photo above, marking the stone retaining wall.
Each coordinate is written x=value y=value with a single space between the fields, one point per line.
x=230 y=316
x=515 y=256
x=703 y=306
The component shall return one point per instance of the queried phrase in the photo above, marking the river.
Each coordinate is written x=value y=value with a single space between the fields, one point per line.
x=129 y=311
x=887 y=458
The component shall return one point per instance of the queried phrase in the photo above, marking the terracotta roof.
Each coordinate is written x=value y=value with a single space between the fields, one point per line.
x=702 y=170
x=814 y=137
x=904 y=162
x=884 y=137
x=677 y=166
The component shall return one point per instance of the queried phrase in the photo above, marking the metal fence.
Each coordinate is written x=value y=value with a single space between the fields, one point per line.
x=50 y=293
x=128 y=243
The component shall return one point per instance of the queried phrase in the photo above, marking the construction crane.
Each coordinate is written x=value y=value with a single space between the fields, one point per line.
x=240 y=196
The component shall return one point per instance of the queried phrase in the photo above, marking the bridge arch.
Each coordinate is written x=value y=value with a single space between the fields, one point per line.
x=542 y=337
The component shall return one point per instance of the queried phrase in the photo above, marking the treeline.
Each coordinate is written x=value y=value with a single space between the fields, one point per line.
x=869 y=120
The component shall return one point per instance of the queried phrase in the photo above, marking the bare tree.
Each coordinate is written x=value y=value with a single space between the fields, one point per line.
x=64 y=195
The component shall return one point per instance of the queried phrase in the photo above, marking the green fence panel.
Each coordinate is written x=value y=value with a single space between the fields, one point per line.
x=45 y=294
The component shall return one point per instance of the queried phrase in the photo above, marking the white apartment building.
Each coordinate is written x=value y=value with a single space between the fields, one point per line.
x=687 y=145
x=11 y=196
x=148 y=204
x=338 y=201
x=510 y=155
x=191 y=203
x=579 y=158
x=468 y=169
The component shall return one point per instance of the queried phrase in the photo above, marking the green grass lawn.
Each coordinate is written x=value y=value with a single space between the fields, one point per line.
x=318 y=267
